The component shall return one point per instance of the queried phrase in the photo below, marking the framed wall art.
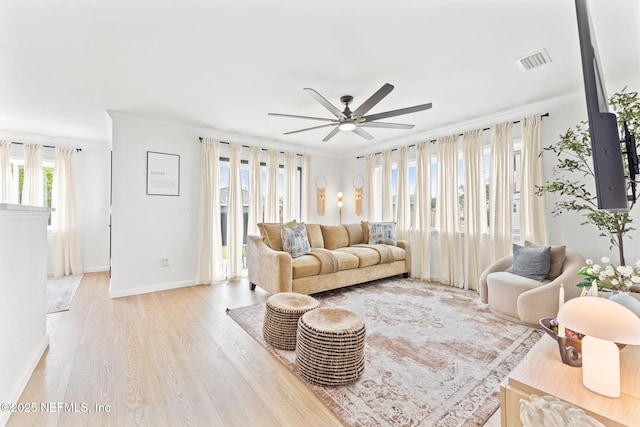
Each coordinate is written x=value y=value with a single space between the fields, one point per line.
x=163 y=174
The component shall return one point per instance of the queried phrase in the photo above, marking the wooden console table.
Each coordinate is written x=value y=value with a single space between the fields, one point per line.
x=541 y=372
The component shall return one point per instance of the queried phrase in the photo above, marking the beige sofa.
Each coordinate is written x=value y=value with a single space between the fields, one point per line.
x=524 y=300
x=274 y=270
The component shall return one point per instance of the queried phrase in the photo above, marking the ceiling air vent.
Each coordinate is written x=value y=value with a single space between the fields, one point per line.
x=534 y=60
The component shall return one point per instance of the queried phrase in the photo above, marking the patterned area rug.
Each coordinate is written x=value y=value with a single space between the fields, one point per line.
x=60 y=292
x=434 y=355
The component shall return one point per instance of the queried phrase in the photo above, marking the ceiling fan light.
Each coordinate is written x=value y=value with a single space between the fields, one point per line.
x=347 y=126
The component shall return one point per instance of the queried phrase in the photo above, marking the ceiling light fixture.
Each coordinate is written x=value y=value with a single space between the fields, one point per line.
x=346 y=126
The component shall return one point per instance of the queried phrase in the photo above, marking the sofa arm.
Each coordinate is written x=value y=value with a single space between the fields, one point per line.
x=500 y=265
x=407 y=254
x=267 y=268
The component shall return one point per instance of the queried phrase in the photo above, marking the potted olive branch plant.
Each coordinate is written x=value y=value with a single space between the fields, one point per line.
x=575 y=164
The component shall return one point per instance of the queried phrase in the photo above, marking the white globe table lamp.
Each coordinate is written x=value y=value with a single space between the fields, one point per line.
x=603 y=323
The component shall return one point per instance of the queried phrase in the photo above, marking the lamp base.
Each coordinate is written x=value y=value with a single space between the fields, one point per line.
x=601 y=366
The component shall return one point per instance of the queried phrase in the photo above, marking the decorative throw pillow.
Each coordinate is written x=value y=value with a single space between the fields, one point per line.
x=314 y=234
x=558 y=255
x=382 y=232
x=355 y=233
x=294 y=241
x=532 y=263
x=270 y=233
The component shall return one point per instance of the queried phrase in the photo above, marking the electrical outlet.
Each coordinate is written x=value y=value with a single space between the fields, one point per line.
x=165 y=261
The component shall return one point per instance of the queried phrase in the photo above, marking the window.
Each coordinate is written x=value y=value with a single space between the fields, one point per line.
x=17 y=171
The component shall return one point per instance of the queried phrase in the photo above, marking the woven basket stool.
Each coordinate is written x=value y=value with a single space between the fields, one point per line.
x=281 y=318
x=330 y=349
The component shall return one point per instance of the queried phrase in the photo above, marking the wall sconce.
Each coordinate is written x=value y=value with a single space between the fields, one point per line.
x=604 y=323
x=340 y=205
x=321 y=184
x=358 y=181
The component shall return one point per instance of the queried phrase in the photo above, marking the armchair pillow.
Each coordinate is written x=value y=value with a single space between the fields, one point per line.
x=558 y=255
x=530 y=262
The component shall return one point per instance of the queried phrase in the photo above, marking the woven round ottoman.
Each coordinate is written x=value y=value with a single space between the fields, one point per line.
x=330 y=348
x=281 y=318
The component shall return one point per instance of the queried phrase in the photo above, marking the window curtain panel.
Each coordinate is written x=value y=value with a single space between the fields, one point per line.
x=369 y=187
x=448 y=223
x=501 y=190
x=306 y=182
x=67 y=257
x=271 y=208
x=403 y=214
x=533 y=222
x=33 y=184
x=421 y=236
x=209 y=267
x=387 y=208
x=5 y=172
x=476 y=245
x=255 y=191
x=289 y=199
x=235 y=217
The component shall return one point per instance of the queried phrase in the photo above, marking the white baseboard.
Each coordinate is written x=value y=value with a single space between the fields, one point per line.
x=96 y=269
x=24 y=379
x=150 y=288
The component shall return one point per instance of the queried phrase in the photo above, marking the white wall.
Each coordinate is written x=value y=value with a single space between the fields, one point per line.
x=146 y=228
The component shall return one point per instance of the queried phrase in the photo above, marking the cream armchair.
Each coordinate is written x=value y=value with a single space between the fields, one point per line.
x=524 y=300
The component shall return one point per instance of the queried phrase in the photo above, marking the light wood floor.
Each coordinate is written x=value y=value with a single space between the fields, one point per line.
x=171 y=358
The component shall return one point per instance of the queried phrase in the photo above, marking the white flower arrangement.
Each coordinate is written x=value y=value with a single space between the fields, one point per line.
x=608 y=277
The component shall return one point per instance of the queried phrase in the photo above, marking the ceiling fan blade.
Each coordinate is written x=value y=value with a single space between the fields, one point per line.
x=331 y=134
x=363 y=133
x=329 y=106
x=303 y=117
x=315 y=127
x=373 y=100
x=386 y=125
x=399 y=112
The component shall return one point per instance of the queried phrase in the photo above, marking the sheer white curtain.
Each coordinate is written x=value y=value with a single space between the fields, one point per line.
x=403 y=213
x=5 y=172
x=306 y=182
x=421 y=236
x=271 y=202
x=234 y=217
x=289 y=200
x=255 y=191
x=449 y=253
x=533 y=223
x=209 y=233
x=66 y=240
x=387 y=208
x=33 y=184
x=476 y=256
x=369 y=187
x=501 y=190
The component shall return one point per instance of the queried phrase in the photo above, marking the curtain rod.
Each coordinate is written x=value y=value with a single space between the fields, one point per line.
x=246 y=146
x=461 y=134
x=45 y=146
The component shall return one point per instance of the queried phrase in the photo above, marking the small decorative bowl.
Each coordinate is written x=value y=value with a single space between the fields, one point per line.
x=545 y=322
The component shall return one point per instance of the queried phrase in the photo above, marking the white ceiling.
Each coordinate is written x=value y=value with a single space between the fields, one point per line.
x=223 y=64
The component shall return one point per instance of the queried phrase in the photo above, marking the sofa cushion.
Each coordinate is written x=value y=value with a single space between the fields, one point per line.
x=365 y=231
x=334 y=236
x=532 y=263
x=294 y=240
x=382 y=232
x=369 y=256
x=314 y=234
x=309 y=265
x=557 y=257
x=355 y=233
x=270 y=232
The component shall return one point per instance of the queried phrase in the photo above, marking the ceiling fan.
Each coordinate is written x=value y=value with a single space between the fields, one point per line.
x=354 y=121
